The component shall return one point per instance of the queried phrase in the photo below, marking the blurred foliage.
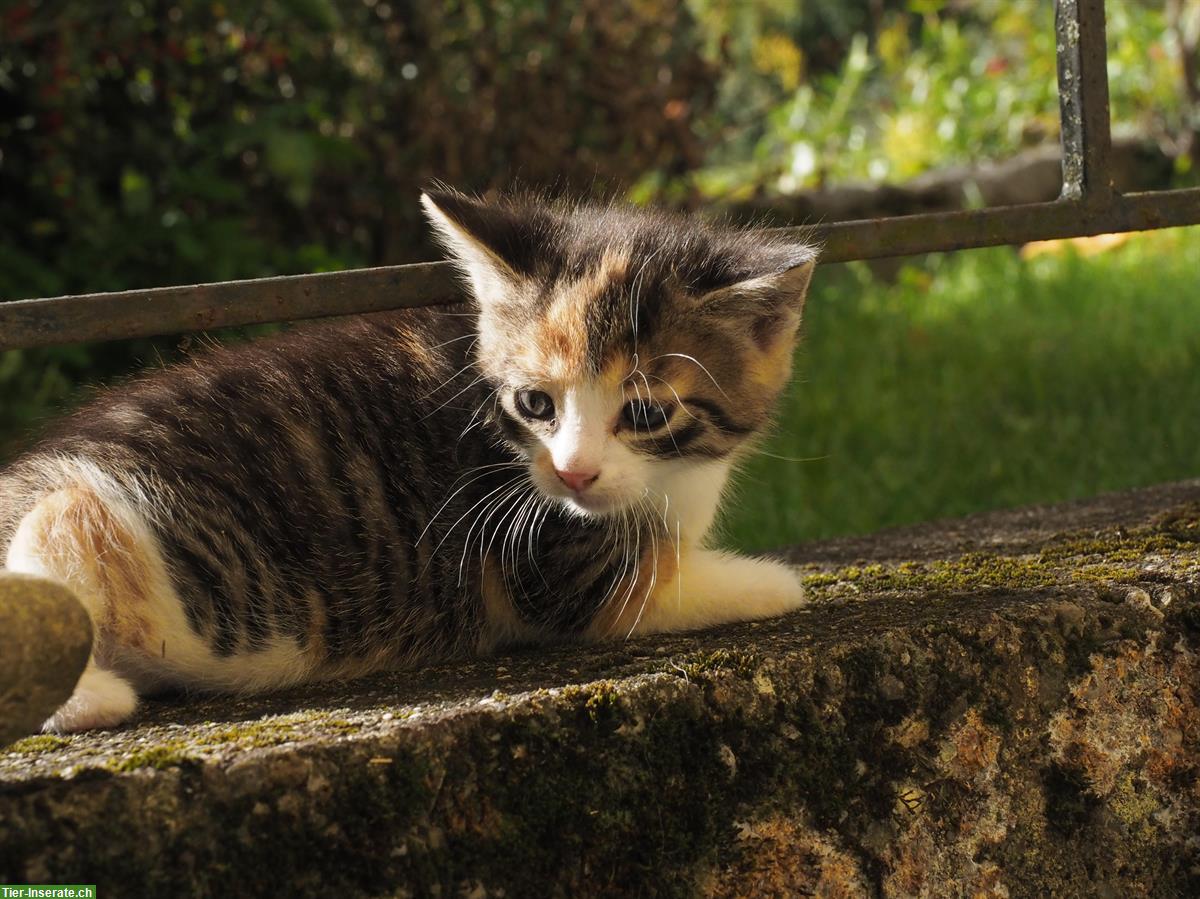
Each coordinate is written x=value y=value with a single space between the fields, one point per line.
x=192 y=139
x=917 y=85
x=147 y=142
x=982 y=380
x=151 y=142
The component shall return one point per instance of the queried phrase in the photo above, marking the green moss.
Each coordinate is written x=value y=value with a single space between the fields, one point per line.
x=597 y=699
x=1115 y=556
x=160 y=757
x=38 y=744
x=700 y=667
x=604 y=696
x=251 y=735
x=1133 y=804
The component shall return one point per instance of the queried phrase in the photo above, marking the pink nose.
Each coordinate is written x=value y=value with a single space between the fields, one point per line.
x=578 y=481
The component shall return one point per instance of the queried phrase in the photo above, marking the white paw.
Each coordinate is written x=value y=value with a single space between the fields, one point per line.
x=101 y=699
x=778 y=589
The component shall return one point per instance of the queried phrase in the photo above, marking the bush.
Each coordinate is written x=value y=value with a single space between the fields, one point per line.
x=155 y=142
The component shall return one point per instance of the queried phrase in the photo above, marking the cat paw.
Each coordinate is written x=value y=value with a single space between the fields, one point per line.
x=777 y=589
x=101 y=700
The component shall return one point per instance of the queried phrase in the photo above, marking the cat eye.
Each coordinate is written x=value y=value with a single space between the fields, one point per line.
x=639 y=415
x=534 y=404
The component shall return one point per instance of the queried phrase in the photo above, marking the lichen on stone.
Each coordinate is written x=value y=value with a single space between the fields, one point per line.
x=1005 y=706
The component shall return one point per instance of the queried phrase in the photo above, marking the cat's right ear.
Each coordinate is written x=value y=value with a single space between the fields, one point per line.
x=487 y=242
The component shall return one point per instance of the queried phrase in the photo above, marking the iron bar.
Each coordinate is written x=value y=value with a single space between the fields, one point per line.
x=1083 y=100
x=1088 y=205
x=935 y=232
x=199 y=307
x=170 y=310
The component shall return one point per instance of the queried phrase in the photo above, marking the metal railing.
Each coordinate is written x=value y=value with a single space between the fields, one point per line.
x=1089 y=204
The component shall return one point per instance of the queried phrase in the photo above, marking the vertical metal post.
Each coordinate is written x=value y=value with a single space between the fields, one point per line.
x=1083 y=100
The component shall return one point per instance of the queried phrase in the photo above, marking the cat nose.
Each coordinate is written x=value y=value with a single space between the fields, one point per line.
x=578 y=481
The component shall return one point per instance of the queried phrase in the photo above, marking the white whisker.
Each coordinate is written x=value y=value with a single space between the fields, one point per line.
x=635 y=295
x=444 y=404
x=698 y=363
x=490 y=469
x=678 y=400
x=446 y=536
x=438 y=346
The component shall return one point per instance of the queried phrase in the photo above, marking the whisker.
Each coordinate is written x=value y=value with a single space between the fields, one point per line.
x=679 y=402
x=638 y=391
x=791 y=458
x=700 y=364
x=470 y=364
x=444 y=404
x=635 y=294
x=438 y=346
x=536 y=520
x=512 y=538
x=473 y=423
x=482 y=520
x=610 y=595
x=490 y=470
x=637 y=547
x=509 y=498
x=653 y=579
x=446 y=536
x=496 y=532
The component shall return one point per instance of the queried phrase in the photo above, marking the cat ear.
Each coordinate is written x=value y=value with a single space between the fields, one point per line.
x=488 y=243
x=769 y=291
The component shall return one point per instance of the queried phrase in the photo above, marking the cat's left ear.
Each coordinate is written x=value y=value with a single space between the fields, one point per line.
x=769 y=292
x=491 y=244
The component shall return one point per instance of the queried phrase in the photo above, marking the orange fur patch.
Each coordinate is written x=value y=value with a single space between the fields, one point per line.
x=501 y=623
x=560 y=340
x=771 y=369
x=636 y=594
x=672 y=379
x=82 y=542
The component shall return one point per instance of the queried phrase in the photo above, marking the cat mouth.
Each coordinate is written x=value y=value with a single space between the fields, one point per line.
x=593 y=505
x=588 y=504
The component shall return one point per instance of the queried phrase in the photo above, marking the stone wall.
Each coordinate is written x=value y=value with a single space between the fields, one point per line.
x=1006 y=705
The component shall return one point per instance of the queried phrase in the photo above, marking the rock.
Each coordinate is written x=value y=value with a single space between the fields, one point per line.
x=47 y=637
x=984 y=707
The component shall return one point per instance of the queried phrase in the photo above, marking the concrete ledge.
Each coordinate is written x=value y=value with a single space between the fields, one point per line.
x=1006 y=705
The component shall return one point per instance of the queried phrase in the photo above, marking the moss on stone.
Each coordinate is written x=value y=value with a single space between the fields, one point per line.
x=702 y=666
x=1112 y=557
x=1133 y=802
x=940 y=740
x=159 y=757
x=597 y=700
x=37 y=744
x=196 y=746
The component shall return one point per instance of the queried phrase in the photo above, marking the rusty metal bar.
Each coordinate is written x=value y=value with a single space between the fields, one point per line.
x=1089 y=205
x=934 y=232
x=169 y=310
x=1083 y=100
x=199 y=307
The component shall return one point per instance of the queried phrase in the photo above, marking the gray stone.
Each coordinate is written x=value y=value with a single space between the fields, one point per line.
x=985 y=707
x=46 y=638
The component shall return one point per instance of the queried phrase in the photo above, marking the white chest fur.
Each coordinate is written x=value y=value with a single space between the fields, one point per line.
x=693 y=494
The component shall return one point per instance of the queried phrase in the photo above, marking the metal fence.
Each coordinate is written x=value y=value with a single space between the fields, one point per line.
x=1088 y=205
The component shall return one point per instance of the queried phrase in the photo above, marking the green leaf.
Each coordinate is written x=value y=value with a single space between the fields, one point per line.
x=136 y=194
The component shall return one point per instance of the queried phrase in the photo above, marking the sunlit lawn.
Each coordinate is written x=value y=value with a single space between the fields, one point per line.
x=979 y=380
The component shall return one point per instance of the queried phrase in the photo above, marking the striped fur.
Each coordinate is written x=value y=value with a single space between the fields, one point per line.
x=369 y=493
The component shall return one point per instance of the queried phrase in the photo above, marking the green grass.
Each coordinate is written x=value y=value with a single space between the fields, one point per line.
x=978 y=381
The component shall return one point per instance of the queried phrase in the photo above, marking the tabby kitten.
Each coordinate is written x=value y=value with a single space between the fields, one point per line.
x=544 y=463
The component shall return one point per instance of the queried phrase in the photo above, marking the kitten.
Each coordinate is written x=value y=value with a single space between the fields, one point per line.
x=544 y=463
